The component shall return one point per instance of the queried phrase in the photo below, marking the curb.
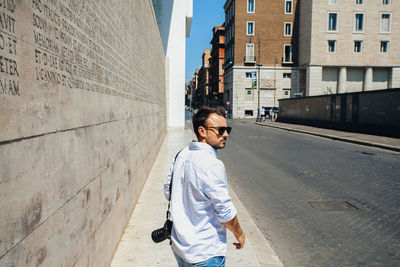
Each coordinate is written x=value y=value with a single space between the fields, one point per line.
x=344 y=139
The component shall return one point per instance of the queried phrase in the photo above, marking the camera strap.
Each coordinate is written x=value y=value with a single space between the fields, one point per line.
x=170 y=186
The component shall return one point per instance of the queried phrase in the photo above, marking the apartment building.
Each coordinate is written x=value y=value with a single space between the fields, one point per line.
x=217 y=60
x=203 y=87
x=349 y=45
x=261 y=38
x=194 y=83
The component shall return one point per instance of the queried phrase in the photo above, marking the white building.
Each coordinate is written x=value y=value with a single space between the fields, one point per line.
x=349 y=46
x=170 y=14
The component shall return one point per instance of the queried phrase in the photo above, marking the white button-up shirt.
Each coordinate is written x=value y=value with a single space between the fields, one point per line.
x=200 y=203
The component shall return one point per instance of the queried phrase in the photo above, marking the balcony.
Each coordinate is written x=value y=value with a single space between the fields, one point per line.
x=249 y=59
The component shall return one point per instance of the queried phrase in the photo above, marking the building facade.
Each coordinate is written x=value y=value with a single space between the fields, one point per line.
x=174 y=19
x=349 y=46
x=217 y=60
x=203 y=86
x=261 y=46
x=194 y=83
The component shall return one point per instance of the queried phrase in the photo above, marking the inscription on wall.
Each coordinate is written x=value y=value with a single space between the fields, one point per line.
x=75 y=45
x=267 y=83
x=9 y=76
x=71 y=48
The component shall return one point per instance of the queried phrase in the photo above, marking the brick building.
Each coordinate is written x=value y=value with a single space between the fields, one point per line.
x=306 y=48
x=203 y=86
x=217 y=60
x=261 y=40
x=192 y=88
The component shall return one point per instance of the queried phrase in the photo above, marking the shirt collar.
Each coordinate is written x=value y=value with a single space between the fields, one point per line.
x=203 y=146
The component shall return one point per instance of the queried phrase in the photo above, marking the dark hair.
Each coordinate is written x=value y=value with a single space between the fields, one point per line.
x=199 y=119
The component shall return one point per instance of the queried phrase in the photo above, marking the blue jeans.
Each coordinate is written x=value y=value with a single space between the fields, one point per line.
x=218 y=261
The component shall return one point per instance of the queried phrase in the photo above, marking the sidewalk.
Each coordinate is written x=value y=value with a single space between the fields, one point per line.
x=136 y=247
x=388 y=143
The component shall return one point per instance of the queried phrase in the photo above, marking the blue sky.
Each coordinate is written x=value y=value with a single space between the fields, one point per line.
x=206 y=15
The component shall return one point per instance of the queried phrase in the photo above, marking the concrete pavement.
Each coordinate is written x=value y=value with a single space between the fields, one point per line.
x=136 y=247
x=388 y=143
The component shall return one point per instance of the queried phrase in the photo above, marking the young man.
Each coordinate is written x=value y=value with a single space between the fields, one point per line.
x=201 y=207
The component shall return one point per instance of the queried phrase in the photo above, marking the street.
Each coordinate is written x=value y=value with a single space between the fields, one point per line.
x=319 y=202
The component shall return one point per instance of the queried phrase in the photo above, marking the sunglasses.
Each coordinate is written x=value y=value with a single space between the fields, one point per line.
x=221 y=130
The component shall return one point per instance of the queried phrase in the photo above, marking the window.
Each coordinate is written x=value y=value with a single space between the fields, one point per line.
x=248 y=75
x=287 y=54
x=359 y=22
x=332 y=21
x=332 y=2
x=248 y=112
x=385 y=22
x=357 y=46
x=286 y=91
x=385 y=2
x=331 y=46
x=359 y=2
x=250 y=52
x=250 y=28
x=384 y=46
x=287 y=75
x=288 y=7
x=250 y=6
x=288 y=29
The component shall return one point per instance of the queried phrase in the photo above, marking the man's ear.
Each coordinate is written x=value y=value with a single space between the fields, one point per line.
x=202 y=131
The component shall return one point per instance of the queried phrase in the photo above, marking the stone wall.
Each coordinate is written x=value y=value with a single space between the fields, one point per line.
x=82 y=117
x=373 y=109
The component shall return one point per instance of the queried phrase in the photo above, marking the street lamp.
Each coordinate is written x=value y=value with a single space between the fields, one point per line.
x=258 y=92
x=258 y=82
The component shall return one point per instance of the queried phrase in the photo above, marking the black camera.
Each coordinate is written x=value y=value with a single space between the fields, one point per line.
x=163 y=233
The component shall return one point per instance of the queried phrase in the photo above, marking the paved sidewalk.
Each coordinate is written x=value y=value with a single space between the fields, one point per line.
x=136 y=247
x=357 y=138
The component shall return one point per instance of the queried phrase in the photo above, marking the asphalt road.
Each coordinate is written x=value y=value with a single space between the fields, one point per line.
x=319 y=202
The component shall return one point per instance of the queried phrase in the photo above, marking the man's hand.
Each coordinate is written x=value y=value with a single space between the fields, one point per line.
x=234 y=226
x=241 y=238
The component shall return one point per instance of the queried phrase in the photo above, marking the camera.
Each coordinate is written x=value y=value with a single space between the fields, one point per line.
x=163 y=233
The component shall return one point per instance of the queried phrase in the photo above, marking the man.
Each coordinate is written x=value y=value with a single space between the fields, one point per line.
x=263 y=114
x=200 y=204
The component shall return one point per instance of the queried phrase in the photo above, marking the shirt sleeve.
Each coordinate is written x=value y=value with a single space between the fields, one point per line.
x=214 y=186
x=168 y=181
